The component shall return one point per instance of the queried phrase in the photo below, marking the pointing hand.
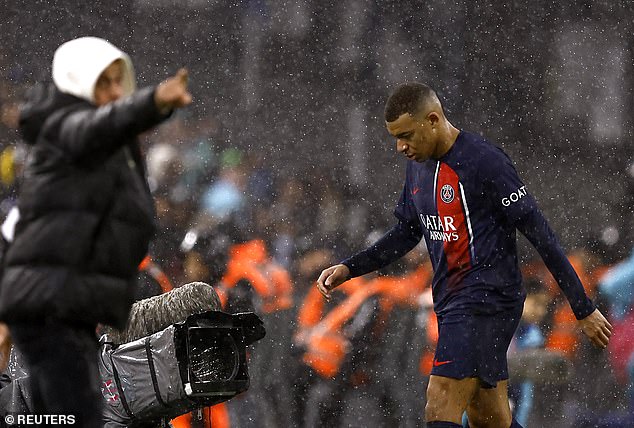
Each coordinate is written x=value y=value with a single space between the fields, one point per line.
x=172 y=93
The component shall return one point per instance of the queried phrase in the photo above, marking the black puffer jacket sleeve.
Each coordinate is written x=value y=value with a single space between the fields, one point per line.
x=97 y=133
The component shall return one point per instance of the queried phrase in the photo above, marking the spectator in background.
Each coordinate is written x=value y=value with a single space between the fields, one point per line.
x=261 y=182
x=254 y=282
x=330 y=335
x=200 y=155
x=205 y=249
x=225 y=196
x=164 y=167
x=328 y=224
x=86 y=219
x=617 y=286
x=529 y=335
x=12 y=156
x=293 y=213
x=403 y=336
x=172 y=222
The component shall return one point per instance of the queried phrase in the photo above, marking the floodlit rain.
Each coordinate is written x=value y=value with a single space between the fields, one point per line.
x=282 y=166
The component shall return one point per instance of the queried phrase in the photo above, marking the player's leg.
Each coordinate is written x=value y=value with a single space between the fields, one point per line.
x=490 y=404
x=490 y=408
x=448 y=398
x=453 y=380
x=470 y=354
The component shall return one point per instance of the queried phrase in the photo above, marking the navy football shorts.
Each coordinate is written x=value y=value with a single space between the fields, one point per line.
x=475 y=346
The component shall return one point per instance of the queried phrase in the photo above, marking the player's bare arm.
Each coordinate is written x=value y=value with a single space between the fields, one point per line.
x=597 y=328
x=331 y=278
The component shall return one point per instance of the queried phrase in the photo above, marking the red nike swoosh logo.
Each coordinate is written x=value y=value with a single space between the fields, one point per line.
x=440 y=363
x=415 y=191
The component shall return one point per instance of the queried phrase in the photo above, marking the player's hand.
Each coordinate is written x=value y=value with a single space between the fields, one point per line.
x=332 y=277
x=172 y=93
x=597 y=328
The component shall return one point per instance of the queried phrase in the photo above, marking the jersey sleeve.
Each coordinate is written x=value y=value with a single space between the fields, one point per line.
x=510 y=197
x=405 y=210
x=503 y=186
x=397 y=242
x=536 y=229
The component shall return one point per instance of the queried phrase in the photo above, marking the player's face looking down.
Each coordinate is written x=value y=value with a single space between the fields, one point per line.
x=416 y=135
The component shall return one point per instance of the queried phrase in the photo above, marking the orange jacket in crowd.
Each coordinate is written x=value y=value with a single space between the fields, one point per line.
x=322 y=333
x=272 y=283
x=326 y=343
x=313 y=307
x=564 y=336
x=154 y=270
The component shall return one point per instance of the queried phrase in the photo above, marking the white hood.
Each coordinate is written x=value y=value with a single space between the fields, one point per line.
x=77 y=65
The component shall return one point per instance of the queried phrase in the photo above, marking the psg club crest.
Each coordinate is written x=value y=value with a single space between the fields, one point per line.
x=447 y=193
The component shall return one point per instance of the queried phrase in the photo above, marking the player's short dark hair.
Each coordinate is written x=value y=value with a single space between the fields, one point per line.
x=407 y=98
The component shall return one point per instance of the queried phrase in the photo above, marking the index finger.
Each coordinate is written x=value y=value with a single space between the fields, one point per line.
x=183 y=75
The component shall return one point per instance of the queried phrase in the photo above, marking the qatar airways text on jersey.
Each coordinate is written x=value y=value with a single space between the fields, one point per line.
x=440 y=228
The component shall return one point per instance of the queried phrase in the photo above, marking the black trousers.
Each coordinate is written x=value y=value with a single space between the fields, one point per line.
x=61 y=361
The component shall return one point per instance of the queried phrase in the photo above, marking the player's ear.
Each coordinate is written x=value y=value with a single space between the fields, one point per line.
x=433 y=118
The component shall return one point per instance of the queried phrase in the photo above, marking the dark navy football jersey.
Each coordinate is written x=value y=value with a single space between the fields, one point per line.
x=468 y=203
x=467 y=206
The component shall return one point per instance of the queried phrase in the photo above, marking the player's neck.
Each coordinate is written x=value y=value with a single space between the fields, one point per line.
x=446 y=141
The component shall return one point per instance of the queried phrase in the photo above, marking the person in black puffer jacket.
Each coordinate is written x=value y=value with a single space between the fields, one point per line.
x=86 y=217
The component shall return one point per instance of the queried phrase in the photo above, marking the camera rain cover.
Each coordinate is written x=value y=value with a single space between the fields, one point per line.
x=192 y=364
